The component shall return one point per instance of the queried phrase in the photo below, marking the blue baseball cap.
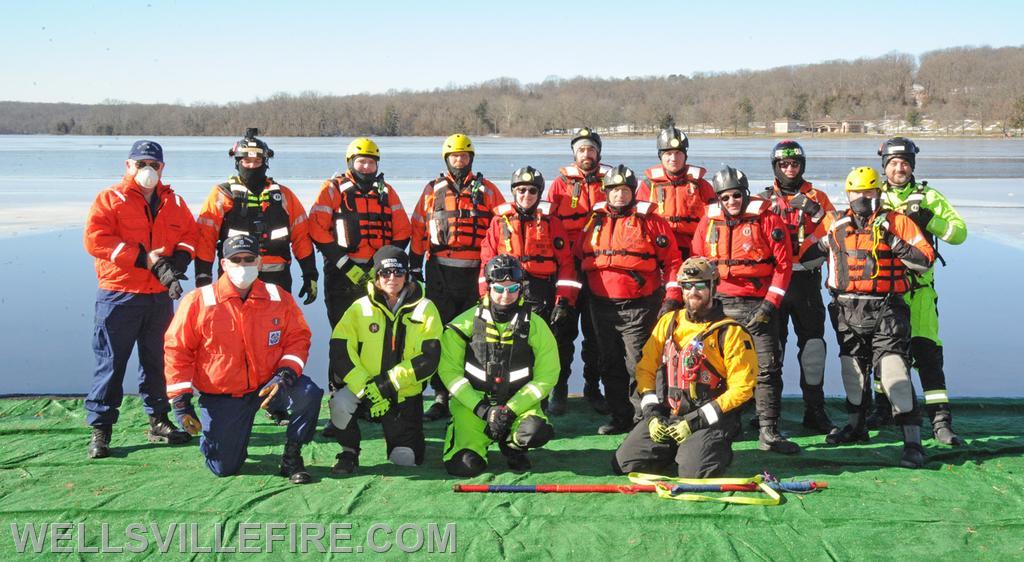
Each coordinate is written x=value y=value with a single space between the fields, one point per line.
x=240 y=243
x=147 y=150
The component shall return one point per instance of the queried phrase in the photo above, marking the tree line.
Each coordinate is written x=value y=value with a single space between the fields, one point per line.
x=950 y=85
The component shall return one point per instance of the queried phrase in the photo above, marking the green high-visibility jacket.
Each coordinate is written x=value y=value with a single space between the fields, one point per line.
x=945 y=224
x=397 y=349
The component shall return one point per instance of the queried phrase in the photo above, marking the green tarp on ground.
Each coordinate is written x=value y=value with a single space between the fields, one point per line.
x=967 y=503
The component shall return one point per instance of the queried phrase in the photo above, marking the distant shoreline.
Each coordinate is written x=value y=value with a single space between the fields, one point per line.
x=804 y=135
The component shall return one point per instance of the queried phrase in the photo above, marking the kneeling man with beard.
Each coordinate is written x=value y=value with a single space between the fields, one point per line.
x=698 y=368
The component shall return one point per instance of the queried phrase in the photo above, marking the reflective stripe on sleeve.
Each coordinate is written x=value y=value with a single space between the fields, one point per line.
x=178 y=386
x=117 y=250
x=534 y=390
x=569 y=283
x=709 y=413
x=187 y=246
x=290 y=357
x=649 y=399
x=777 y=291
x=458 y=384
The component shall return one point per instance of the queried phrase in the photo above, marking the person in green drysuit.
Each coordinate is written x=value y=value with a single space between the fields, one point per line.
x=498 y=361
x=938 y=220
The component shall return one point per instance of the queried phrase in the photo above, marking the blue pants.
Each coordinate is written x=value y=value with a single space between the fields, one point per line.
x=122 y=321
x=227 y=422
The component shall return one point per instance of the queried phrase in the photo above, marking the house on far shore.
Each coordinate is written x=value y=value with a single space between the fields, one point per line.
x=786 y=125
x=853 y=125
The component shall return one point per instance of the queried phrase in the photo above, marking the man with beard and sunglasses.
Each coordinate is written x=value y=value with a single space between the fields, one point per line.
x=750 y=247
x=698 y=368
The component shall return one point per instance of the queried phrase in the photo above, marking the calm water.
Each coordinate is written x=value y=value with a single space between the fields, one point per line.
x=48 y=284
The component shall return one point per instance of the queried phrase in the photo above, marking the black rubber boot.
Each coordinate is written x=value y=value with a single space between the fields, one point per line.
x=438 y=410
x=99 y=446
x=942 y=427
x=517 y=459
x=913 y=452
x=816 y=418
x=557 y=402
x=848 y=434
x=292 y=466
x=769 y=439
x=347 y=463
x=278 y=417
x=592 y=394
x=881 y=413
x=161 y=430
x=615 y=427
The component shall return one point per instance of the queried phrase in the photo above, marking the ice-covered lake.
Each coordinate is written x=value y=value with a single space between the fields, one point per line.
x=48 y=285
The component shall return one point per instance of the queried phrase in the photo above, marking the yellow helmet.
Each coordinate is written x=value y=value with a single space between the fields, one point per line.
x=863 y=178
x=456 y=143
x=362 y=146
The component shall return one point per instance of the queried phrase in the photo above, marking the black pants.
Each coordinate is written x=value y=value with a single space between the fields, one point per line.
x=804 y=306
x=403 y=427
x=706 y=453
x=540 y=295
x=453 y=290
x=623 y=327
x=874 y=335
x=768 y=392
x=281 y=278
x=579 y=320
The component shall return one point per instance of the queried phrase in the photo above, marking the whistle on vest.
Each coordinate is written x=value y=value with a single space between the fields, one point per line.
x=497 y=374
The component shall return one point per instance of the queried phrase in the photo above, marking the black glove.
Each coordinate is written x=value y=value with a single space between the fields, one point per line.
x=655 y=411
x=559 y=314
x=760 y=315
x=181 y=405
x=168 y=277
x=670 y=305
x=499 y=422
x=308 y=290
x=922 y=216
x=204 y=272
x=287 y=375
x=180 y=261
x=806 y=204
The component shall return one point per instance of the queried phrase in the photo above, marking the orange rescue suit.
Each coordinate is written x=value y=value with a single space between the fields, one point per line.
x=451 y=222
x=359 y=221
x=682 y=200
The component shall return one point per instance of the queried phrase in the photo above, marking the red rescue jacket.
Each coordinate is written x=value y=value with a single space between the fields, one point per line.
x=681 y=200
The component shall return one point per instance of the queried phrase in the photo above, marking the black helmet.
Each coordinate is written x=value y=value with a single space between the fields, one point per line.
x=672 y=139
x=586 y=133
x=785 y=149
x=528 y=175
x=729 y=178
x=619 y=175
x=899 y=147
x=250 y=146
x=503 y=268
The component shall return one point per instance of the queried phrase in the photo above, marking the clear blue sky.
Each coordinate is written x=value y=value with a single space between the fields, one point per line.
x=219 y=51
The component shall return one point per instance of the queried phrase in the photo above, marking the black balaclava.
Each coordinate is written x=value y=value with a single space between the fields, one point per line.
x=788 y=186
x=458 y=174
x=504 y=313
x=255 y=179
x=865 y=206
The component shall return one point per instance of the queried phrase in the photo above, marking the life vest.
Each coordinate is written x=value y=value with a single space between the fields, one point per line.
x=686 y=381
x=364 y=216
x=499 y=362
x=678 y=200
x=799 y=224
x=577 y=206
x=737 y=245
x=529 y=240
x=860 y=261
x=619 y=242
x=458 y=219
x=264 y=216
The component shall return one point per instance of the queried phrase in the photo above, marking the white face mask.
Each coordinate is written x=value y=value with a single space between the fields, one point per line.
x=147 y=178
x=242 y=276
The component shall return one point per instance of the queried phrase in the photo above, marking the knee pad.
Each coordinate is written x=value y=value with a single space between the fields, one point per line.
x=533 y=432
x=812 y=362
x=895 y=376
x=853 y=379
x=402 y=456
x=465 y=464
x=342 y=406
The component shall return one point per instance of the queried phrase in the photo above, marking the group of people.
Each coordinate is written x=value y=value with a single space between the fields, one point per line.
x=682 y=289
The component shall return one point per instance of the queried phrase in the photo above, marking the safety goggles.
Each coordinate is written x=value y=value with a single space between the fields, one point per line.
x=788 y=164
x=502 y=289
x=391 y=272
x=529 y=190
x=690 y=285
x=242 y=259
x=727 y=196
x=140 y=164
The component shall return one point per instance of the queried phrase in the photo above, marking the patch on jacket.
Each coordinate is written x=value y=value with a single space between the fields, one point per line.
x=274 y=337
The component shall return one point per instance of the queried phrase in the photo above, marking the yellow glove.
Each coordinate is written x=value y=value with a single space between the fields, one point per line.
x=658 y=430
x=679 y=431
